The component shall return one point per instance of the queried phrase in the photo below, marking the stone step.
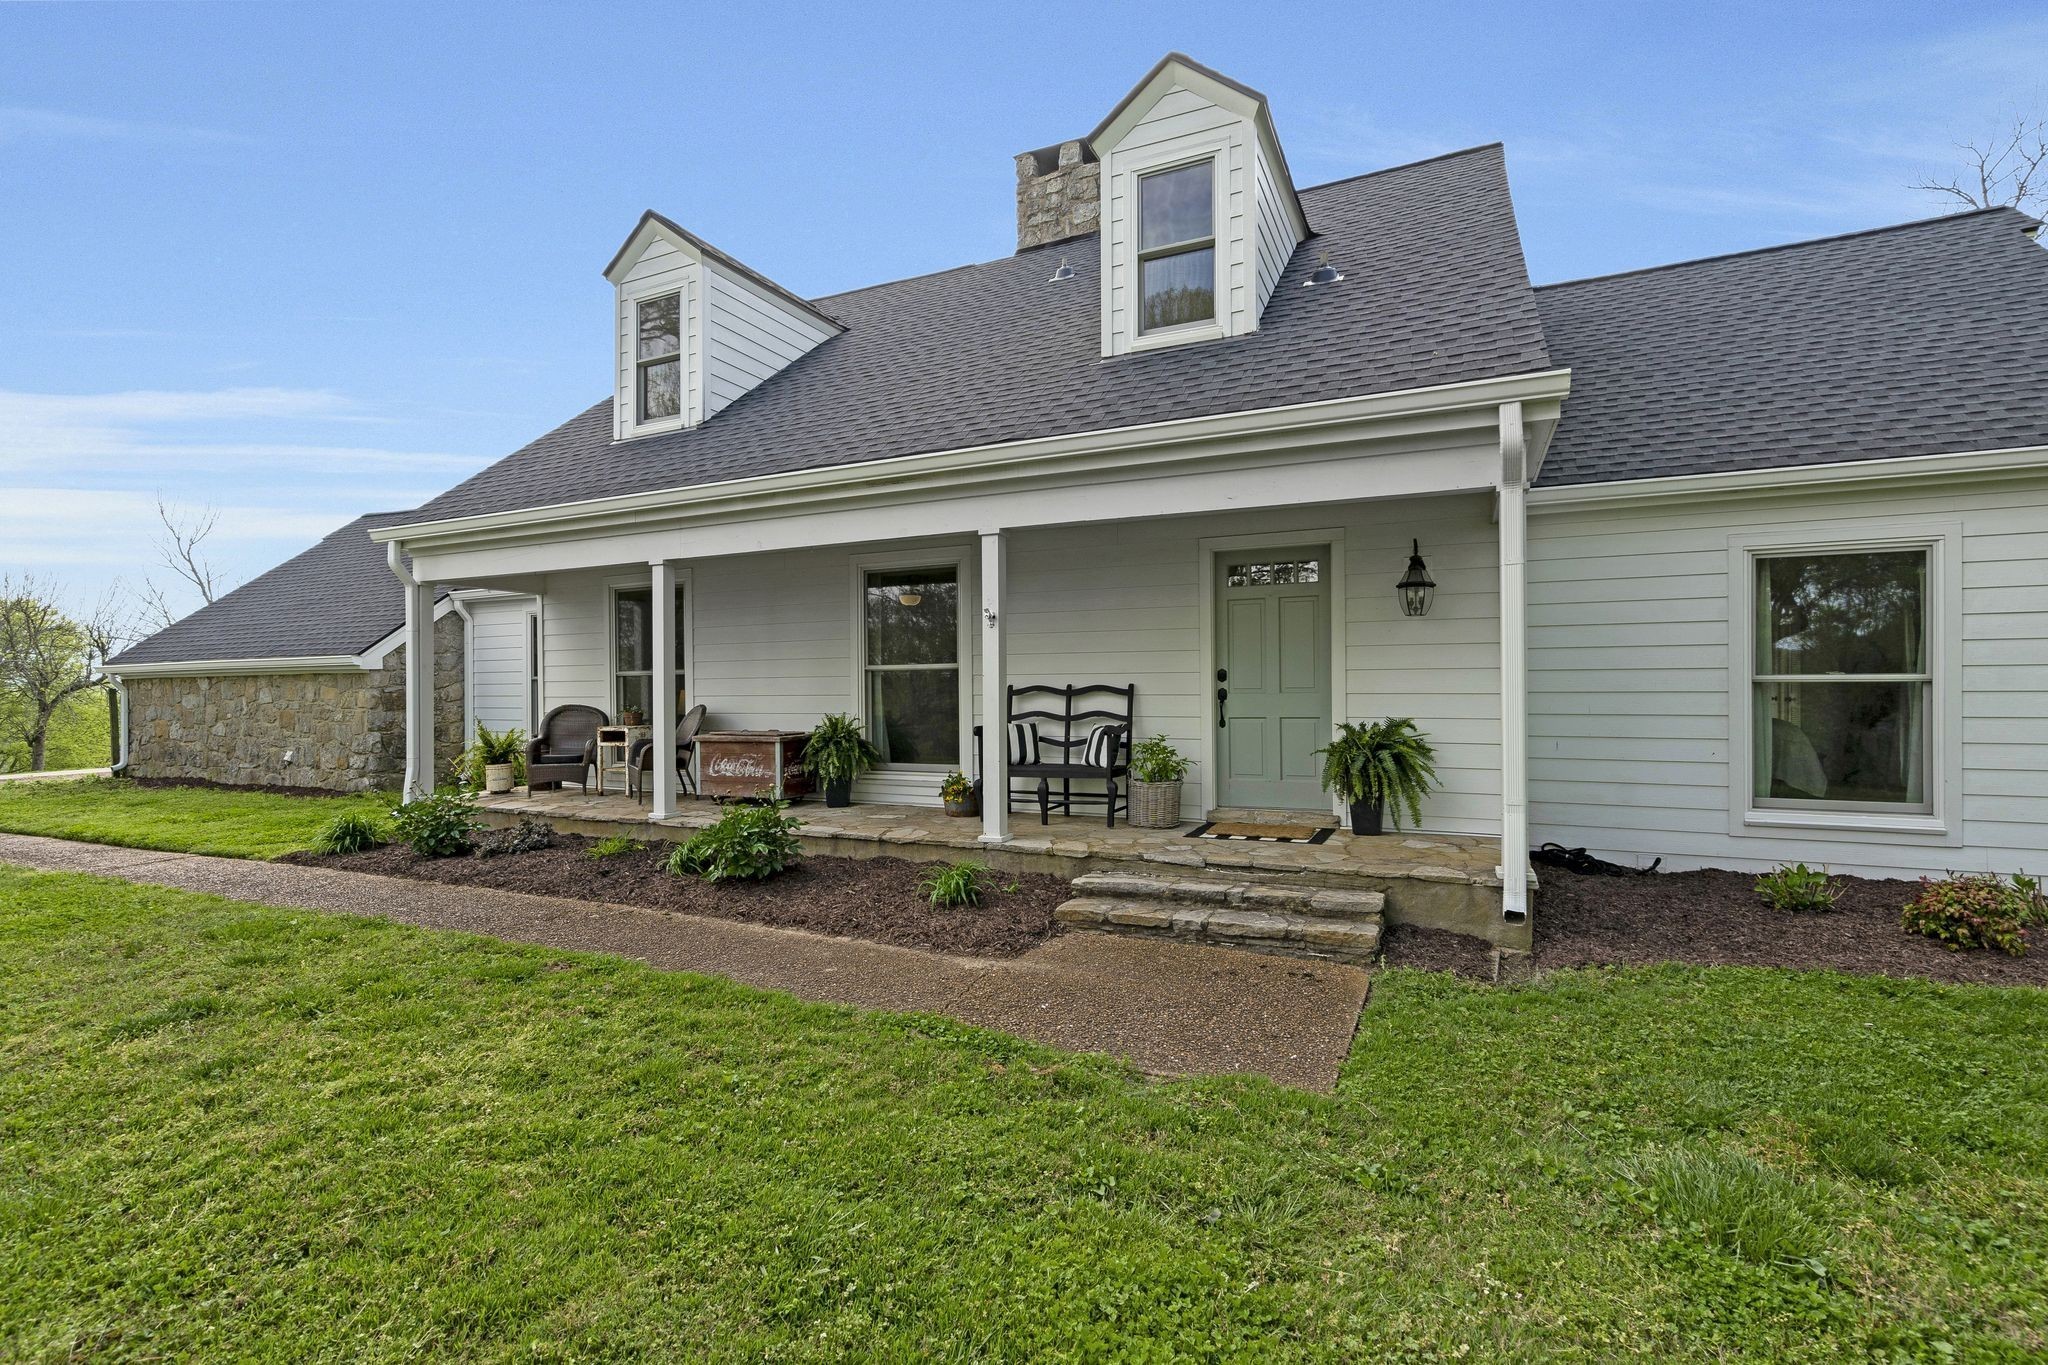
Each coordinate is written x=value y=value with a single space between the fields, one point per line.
x=1290 y=897
x=1267 y=931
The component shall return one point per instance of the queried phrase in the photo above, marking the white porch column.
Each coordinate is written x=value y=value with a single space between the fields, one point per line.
x=995 y=678
x=1514 y=678
x=419 y=679
x=663 y=582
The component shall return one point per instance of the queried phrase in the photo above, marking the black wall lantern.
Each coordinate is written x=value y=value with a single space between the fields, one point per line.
x=1416 y=587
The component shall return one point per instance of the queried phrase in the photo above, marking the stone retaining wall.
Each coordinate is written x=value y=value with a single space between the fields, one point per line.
x=346 y=730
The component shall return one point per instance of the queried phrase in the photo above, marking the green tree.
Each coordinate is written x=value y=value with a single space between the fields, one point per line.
x=48 y=658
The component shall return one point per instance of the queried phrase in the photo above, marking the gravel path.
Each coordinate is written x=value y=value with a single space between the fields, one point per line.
x=1170 y=1009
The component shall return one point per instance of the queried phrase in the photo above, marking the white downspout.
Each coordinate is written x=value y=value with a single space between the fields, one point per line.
x=1514 y=676
x=121 y=691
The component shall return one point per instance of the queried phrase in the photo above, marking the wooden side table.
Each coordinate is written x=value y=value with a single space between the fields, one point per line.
x=614 y=747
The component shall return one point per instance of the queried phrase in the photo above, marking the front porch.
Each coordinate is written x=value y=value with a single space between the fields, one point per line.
x=1445 y=881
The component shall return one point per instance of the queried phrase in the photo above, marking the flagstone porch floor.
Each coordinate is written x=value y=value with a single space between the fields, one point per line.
x=1449 y=881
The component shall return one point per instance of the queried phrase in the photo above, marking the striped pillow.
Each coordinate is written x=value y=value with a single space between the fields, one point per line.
x=1023 y=742
x=1102 y=747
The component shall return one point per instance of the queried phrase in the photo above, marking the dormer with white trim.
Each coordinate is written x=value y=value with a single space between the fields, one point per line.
x=1199 y=213
x=694 y=329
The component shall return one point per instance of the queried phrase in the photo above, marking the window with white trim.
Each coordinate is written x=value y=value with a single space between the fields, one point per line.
x=1842 y=684
x=1177 y=247
x=633 y=651
x=910 y=660
x=658 y=351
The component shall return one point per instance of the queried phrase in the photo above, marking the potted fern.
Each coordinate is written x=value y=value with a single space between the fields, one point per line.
x=1380 y=768
x=1156 y=772
x=493 y=760
x=838 y=751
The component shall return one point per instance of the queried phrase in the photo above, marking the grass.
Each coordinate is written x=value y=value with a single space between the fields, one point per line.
x=178 y=819
x=236 y=1131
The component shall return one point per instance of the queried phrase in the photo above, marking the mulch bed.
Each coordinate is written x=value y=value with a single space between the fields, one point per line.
x=1716 y=919
x=870 y=898
x=203 y=784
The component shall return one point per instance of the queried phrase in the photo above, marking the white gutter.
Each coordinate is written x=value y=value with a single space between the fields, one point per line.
x=1973 y=464
x=952 y=469
x=208 y=668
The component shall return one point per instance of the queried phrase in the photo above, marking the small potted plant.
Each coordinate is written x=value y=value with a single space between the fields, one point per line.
x=632 y=715
x=493 y=760
x=958 y=794
x=1382 y=768
x=838 y=751
x=1156 y=772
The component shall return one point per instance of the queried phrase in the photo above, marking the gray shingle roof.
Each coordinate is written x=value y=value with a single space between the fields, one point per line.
x=340 y=597
x=1435 y=292
x=1922 y=339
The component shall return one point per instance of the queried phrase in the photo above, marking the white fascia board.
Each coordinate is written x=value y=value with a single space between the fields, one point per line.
x=211 y=668
x=1971 y=464
x=953 y=473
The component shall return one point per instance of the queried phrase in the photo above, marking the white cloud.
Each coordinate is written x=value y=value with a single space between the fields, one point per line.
x=20 y=124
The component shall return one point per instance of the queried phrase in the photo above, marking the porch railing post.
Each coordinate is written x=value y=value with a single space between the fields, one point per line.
x=663 y=667
x=995 y=678
x=1514 y=684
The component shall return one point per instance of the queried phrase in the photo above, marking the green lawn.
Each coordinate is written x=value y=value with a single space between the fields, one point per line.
x=227 y=1130
x=181 y=819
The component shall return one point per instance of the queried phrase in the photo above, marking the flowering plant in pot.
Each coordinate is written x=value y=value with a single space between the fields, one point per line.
x=1157 y=769
x=1381 y=768
x=837 y=751
x=958 y=794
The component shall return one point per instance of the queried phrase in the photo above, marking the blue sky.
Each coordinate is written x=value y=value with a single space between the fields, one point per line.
x=302 y=261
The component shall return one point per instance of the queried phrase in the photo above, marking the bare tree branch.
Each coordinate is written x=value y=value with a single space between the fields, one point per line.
x=2008 y=170
x=181 y=547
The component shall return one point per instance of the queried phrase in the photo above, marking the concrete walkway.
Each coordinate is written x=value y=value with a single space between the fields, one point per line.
x=1168 y=1008
x=58 y=775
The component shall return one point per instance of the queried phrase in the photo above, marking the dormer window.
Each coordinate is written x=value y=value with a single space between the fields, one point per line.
x=660 y=364
x=1177 y=246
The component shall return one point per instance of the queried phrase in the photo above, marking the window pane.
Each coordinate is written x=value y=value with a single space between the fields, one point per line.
x=1292 y=571
x=1842 y=613
x=661 y=389
x=1842 y=741
x=1176 y=206
x=633 y=651
x=914 y=715
x=1178 y=289
x=661 y=327
x=636 y=695
x=913 y=616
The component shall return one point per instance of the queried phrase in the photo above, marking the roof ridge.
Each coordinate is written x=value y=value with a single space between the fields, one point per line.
x=1786 y=246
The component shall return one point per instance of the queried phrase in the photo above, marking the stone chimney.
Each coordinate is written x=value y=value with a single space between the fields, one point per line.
x=1059 y=194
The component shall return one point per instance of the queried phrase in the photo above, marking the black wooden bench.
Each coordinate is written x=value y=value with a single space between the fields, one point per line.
x=1065 y=719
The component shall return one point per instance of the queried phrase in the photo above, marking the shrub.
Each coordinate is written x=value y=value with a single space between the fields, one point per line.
x=351 y=833
x=1731 y=1201
x=1798 y=888
x=1977 y=910
x=746 y=843
x=1155 y=760
x=438 y=826
x=954 y=884
x=530 y=835
x=613 y=846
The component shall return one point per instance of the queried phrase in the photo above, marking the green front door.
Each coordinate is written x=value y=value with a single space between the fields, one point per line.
x=1272 y=677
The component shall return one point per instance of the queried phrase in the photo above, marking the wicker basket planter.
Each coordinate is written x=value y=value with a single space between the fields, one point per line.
x=1154 y=805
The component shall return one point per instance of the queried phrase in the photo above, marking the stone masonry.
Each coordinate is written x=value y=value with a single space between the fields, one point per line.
x=346 y=730
x=1059 y=193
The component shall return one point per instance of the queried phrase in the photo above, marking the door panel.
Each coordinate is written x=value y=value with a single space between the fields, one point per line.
x=1273 y=645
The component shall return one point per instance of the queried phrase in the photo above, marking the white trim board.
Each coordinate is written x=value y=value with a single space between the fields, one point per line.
x=369 y=661
x=1973 y=464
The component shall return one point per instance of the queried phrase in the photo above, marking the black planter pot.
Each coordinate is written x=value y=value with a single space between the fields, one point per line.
x=839 y=791
x=1367 y=817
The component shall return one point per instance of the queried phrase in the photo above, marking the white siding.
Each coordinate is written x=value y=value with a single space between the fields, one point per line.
x=775 y=643
x=749 y=335
x=1630 y=658
x=1275 y=231
x=497 y=662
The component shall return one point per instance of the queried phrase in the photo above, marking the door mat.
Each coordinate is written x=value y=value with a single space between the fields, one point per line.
x=1265 y=834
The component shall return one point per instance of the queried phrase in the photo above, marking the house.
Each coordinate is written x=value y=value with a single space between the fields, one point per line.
x=1737 y=561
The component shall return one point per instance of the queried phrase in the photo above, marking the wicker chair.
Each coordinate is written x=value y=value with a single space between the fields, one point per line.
x=640 y=763
x=565 y=748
